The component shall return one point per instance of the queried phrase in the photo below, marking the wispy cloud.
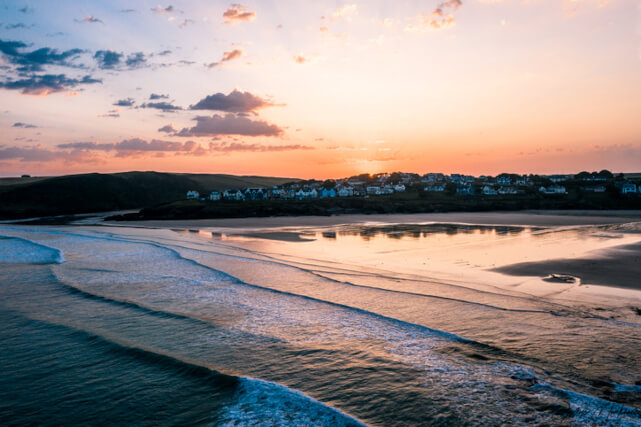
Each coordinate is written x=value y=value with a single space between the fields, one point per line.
x=229 y=147
x=127 y=102
x=90 y=19
x=227 y=56
x=163 y=10
x=42 y=85
x=238 y=13
x=439 y=18
x=163 y=105
x=24 y=125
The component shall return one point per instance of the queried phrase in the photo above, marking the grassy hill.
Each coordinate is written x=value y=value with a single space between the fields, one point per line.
x=45 y=196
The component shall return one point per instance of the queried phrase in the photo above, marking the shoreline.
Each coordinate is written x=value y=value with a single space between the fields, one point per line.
x=545 y=218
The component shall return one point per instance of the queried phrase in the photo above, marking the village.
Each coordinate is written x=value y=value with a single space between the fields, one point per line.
x=365 y=186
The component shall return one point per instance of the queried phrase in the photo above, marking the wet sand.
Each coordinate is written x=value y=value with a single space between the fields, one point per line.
x=526 y=218
x=616 y=267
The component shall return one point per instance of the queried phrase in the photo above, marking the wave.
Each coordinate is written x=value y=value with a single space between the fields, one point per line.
x=252 y=401
x=19 y=250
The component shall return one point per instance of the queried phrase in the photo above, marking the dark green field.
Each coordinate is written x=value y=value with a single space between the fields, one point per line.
x=74 y=194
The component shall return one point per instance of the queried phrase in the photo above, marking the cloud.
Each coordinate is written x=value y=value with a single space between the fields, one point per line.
x=90 y=19
x=107 y=59
x=168 y=128
x=155 y=96
x=110 y=59
x=230 y=124
x=441 y=17
x=346 y=12
x=238 y=13
x=226 y=147
x=186 y=22
x=127 y=102
x=17 y=26
x=136 y=60
x=235 y=102
x=127 y=10
x=42 y=85
x=299 y=59
x=111 y=113
x=163 y=10
x=164 y=106
x=36 y=60
x=31 y=154
x=227 y=56
x=24 y=125
x=137 y=147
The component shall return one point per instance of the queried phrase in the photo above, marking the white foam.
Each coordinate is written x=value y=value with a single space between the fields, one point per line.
x=260 y=402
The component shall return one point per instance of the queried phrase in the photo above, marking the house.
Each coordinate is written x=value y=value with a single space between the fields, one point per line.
x=399 y=188
x=193 y=194
x=456 y=178
x=214 y=196
x=233 y=194
x=433 y=177
x=559 y=178
x=508 y=190
x=373 y=190
x=306 y=193
x=346 y=191
x=437 y=188
x=595 y=189
x=254 y=194
x=522 y=182
x=388 y=189
x=553 y=189
x=464 y=189
x=628 y=188
x=504 y=180
x=325 y=192
x=489 y=191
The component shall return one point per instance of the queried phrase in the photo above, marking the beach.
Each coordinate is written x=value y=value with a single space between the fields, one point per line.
x=379 y=320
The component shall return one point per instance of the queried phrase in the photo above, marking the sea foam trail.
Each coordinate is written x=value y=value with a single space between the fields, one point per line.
x=19 y=250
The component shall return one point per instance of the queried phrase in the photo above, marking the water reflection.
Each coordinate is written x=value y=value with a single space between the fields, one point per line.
x=418 y=231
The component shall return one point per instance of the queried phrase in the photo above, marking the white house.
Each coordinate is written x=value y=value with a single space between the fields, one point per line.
x=399 y=188
x=214 y=195
x=553 y=189
x=306 y=193
x=373 y=190
x=489 y=191
x=629 y=188
x=254 y=194
x=346 y=191
x=508 y=190
x=503 y=180
x=193 y=194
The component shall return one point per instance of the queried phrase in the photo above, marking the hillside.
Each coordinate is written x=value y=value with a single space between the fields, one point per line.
x=46 y=196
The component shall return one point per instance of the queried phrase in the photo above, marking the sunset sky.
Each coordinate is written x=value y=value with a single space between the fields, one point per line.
x=320 y=89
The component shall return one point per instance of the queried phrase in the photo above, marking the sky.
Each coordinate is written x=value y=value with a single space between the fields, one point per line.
x=322 y=89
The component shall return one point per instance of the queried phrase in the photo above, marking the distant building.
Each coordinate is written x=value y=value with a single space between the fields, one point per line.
x=433 y=177
x=464 y=189
x=325 y=192
x=508 y=190
x=399 y=188
x=215 y=195
x=254 y=194
x=628 y=188
x=306 y=193
x=489 y=191
x=437 y=188
x=504 y=180
x=553 y=189
x=596 y=189
x=193 y=194
x=559 y=178
x=233 y=194
x=346 y=191
x=373 y=190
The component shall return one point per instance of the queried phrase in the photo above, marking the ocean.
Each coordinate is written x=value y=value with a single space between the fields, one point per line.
x=367 y=324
